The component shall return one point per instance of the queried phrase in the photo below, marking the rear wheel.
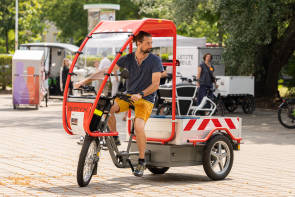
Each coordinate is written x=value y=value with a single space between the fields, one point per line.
x=248 y=105
x=218 y=157
x=88 y=160
x=157 y=170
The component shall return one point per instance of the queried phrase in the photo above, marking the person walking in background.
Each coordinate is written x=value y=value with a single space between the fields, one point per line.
x=205 y=77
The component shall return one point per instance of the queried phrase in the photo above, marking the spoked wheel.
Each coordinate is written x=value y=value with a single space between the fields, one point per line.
x=286 y=116
x=218 y=157
x=88 y=160
x=248 y=105
x=157 y=170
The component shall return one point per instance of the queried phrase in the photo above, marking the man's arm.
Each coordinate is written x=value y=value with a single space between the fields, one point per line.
x=93 y=77
x=151 y=89
x=198 y=75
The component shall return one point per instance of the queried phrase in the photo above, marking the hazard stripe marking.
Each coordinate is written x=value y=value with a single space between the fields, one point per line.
x=189 y=125
x=230 y=123
x=203 y=124
x=216 y=123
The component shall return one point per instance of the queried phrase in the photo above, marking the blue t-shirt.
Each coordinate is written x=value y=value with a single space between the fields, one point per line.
x=140 y=77
x=206 y=75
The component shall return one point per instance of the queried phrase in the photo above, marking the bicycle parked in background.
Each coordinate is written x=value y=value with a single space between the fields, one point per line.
x=286 y=113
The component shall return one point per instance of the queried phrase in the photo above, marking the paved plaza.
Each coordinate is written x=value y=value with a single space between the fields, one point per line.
x=37 y=158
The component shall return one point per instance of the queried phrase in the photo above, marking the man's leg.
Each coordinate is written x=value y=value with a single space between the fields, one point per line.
x=143 y=110
x=112 y=119
x=112 y=122
x=140 y=136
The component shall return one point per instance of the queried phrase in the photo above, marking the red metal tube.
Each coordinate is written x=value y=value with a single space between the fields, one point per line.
x=97 y=133
x=194 y=141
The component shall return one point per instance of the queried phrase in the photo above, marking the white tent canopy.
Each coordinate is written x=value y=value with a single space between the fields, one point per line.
x=116 y=40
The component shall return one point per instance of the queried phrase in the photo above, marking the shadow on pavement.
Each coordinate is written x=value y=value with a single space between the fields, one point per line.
x=41 y=123
x=129 y=183
x=263 y=127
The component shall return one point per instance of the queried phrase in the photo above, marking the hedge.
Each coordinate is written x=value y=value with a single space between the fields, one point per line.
x=5 y=70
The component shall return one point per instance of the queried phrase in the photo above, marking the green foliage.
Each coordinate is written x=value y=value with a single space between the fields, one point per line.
x=196 y=18
x=250 y=25
x=164 y=56
x=70 y=17
x=30 y=23
x=5 y=70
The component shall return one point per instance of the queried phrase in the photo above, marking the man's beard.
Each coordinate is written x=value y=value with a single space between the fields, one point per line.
x=146 y=51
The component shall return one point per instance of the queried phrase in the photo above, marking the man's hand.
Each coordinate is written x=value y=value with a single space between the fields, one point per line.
x=198 y=84
x=77 y=85
x=136 y=97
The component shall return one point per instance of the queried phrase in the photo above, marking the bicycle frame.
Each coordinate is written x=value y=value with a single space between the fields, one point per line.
x=156 y=27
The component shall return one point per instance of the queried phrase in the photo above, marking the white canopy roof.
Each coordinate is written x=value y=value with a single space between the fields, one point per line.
x=117 y=41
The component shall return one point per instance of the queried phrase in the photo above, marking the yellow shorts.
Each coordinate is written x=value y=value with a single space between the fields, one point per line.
x=142 y=108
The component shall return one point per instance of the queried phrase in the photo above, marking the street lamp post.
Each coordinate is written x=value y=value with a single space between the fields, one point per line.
x=16 y=24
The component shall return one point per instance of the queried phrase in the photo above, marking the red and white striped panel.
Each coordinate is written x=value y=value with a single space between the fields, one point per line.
x=211 y=123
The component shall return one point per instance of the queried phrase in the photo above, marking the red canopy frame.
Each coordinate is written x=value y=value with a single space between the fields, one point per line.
x=157 y=28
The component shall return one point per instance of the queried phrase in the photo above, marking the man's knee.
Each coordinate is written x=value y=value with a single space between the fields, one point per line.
x=115 y=108
x=139 y=124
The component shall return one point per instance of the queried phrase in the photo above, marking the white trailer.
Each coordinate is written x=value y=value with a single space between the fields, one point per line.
x=237 y=90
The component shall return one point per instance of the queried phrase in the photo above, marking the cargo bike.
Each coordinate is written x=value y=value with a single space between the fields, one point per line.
x=172 y=141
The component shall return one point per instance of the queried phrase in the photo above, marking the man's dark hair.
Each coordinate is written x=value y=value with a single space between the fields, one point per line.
x=140 y=36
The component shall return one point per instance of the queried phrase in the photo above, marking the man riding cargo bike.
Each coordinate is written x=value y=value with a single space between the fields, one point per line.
x=161 y=141
x=144 y=79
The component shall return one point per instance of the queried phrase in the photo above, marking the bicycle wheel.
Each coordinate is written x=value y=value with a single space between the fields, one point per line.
x=157 y=170
x=286 y=116
x=89 y=157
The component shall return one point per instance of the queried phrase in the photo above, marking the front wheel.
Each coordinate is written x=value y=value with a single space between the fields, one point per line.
x=88 y=160
x=218 y=157
x=157 y=170
x=286 y=116
x=230 y=104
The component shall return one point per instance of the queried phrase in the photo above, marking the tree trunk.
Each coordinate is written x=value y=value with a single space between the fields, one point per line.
x=282 y=50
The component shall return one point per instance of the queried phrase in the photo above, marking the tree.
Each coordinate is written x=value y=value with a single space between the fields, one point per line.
x=30 y=22
x=259 y=35
x=197 y=18
x=70 y=17
x=260 y=39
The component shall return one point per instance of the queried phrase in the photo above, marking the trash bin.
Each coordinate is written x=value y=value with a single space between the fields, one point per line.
x=26 y=72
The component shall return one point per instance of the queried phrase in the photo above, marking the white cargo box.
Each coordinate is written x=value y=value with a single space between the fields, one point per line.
x=190 y=127
x=235 y=85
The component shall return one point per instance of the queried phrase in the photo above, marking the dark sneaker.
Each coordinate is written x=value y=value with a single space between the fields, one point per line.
x=117 y=141
x=139 y=170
